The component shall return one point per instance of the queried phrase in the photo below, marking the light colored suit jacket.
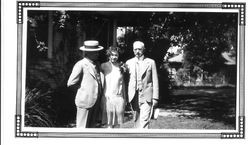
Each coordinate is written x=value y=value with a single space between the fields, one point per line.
x=149 y=77
x=87 y=93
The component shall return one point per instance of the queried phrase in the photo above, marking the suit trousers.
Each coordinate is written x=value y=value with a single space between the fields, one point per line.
x=142 y=112
x=88 y=118
x=81 y=117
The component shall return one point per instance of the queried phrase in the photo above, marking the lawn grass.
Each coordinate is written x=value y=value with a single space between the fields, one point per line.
x=195 y=109
x=192 y=108
x=182 y=123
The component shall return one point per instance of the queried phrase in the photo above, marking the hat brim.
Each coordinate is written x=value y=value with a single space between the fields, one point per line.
x=83 y=48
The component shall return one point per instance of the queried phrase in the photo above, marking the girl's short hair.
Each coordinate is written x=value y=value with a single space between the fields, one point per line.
x=112 y=49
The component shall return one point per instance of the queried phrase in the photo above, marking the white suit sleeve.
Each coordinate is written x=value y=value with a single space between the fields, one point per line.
x=75 y=75
x=155 y=81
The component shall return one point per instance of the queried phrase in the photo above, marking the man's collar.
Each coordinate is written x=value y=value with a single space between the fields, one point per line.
x=91 y=61
x=140 y=59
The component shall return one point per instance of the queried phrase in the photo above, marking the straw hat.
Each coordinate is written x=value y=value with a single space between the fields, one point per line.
x=91 y=45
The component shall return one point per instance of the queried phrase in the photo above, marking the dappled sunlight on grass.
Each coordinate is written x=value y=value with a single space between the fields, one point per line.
x=196 y=109
x=186 y=123
x=176 y=113
x=217 y=105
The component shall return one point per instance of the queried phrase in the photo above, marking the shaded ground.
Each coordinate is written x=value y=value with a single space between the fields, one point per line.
x=196 y=109
x=188 y=108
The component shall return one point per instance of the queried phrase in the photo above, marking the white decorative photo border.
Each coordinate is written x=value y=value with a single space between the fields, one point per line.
x=23 y=6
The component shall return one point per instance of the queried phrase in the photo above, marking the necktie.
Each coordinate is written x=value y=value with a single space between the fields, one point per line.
x=98 y=78
x=138 y=76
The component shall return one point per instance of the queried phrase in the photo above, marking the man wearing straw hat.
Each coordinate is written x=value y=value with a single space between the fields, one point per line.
x=87 y=74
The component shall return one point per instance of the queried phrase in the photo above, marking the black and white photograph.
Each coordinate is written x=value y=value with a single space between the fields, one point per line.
x=130 y=69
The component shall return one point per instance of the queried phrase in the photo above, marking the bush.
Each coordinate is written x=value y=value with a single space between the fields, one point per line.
x=38 y=110
x=183 y=78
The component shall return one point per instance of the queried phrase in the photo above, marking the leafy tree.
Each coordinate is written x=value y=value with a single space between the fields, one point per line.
x=211 y=34
x=203 y=37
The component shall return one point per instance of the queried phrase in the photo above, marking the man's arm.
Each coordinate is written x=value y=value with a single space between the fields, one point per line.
x=75 y=75
x=155 y=83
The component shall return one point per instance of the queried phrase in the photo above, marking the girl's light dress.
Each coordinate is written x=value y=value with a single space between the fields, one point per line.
x=114 y=95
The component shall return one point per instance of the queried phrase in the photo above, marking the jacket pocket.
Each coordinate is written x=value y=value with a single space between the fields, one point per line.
x=84 y=99
x=148 y=94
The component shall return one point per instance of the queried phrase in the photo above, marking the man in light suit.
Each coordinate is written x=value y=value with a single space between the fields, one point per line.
x=143 y=88
x=87 y=74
